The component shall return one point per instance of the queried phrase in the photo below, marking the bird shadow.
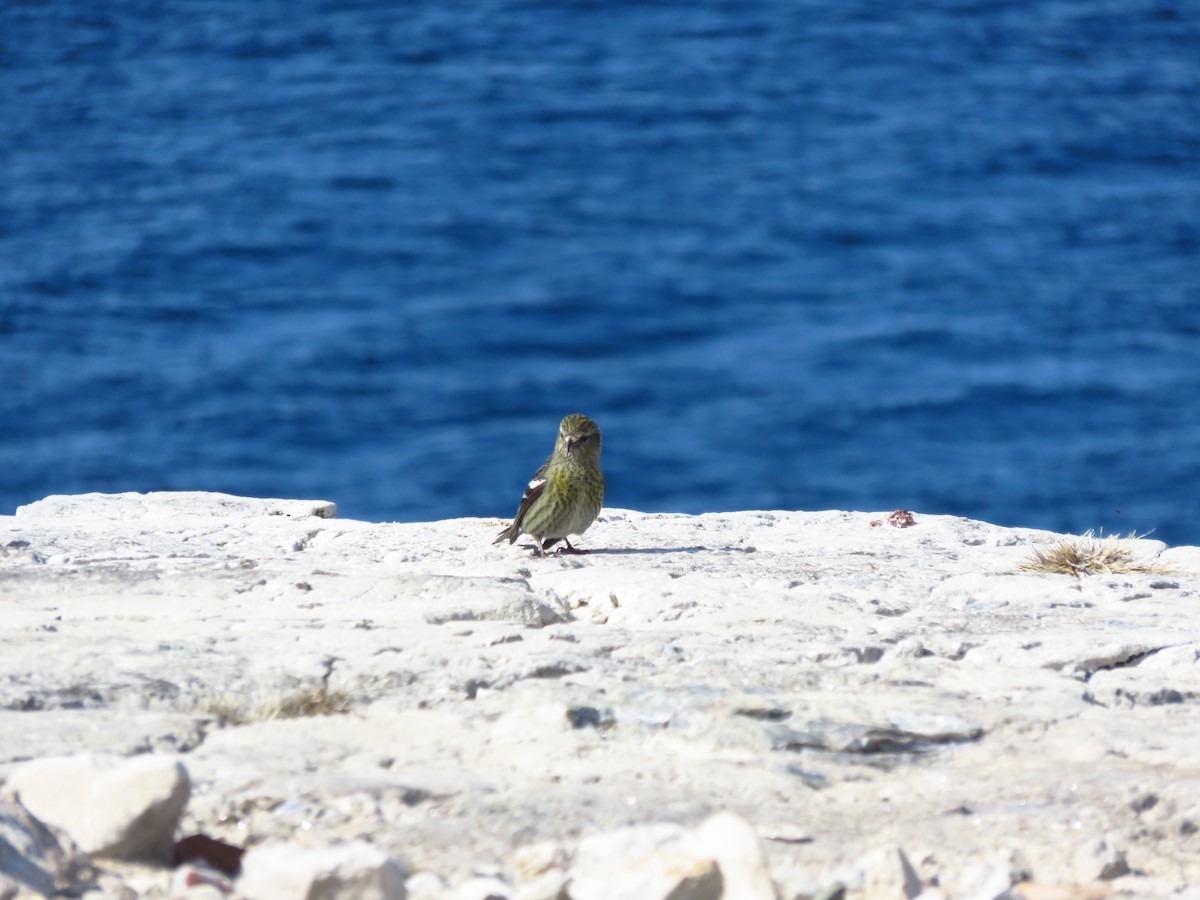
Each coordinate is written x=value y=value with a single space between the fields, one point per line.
x=622 y=551
x=629 y=551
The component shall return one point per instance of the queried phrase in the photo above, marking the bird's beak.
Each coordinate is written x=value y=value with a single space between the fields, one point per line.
x=571 y=443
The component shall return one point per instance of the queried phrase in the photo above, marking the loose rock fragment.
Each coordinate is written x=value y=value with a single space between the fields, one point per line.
x=888 y=875
x=995 y=880
x=1100 y=861
x=550 y=885
x=721 y=858
x=195 y=882
x=115 y=808
x=591 y=716
x=647 y=862
x=533 y=860
x=352 y=871
x=734 y=844
x=426 y=886
x=903 y=734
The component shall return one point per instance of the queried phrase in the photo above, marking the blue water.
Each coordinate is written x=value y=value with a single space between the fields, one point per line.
x=942 y=256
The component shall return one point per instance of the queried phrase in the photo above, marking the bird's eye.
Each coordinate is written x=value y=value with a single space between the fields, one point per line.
x=582 y=438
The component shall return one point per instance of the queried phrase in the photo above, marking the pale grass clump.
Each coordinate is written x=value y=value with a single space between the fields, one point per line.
x=314 y=700
x=1091 y=555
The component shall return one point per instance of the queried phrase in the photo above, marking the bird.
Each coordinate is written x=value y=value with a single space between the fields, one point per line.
x=564 y=496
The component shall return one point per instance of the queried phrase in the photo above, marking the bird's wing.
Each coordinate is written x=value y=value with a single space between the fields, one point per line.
x=533 y=490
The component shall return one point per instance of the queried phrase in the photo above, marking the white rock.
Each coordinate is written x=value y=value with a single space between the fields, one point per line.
x=600 y=851
x=995 y=880
x=426 y=886
x=116 y=808
x=1183 y=559
x=466 y=599
x=888 y=875
x=532 y=860
x=645 y=862
x=663 y=875
x=734 y=844
x=720 y=858
x=354 y=870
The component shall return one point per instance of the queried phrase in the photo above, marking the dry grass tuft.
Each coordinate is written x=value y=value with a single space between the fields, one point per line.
x=1091 y=555
x=315 y=700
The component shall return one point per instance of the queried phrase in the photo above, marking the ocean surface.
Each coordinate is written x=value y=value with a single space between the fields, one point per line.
x=805 y=255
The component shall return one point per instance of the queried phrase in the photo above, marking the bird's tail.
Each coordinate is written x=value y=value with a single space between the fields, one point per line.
x=510 y=532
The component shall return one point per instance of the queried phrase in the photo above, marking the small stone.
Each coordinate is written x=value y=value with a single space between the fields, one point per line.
x=721 y=858
x=591 y=717
x=888 y=875
x=427 y=886
x=197 y=882
x=1144 y=802
x=355 y=870
x=734 y=844
x=909 y=648
x=646 y=862
x=532 y=860
x=995 y=880
x=115 y=808
x=550 y=885
x=835 y=891
x=1100 y=861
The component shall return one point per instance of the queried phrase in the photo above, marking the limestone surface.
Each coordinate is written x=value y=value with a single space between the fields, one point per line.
x=859 y=693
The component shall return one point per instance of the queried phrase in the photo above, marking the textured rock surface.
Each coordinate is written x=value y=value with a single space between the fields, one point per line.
x=33 y=859
x=839 y=685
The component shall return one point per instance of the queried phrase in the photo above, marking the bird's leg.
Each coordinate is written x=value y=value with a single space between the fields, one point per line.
x=570 y=549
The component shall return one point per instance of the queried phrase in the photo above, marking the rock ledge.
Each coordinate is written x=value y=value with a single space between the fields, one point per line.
x=730 y=704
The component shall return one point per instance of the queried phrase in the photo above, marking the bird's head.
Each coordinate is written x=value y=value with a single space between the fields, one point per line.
x=578 y=439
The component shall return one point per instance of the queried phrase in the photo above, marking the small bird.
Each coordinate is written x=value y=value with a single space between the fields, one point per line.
x=565 y=494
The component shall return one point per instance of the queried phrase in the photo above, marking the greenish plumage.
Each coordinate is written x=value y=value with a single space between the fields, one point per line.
x=566 y=493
